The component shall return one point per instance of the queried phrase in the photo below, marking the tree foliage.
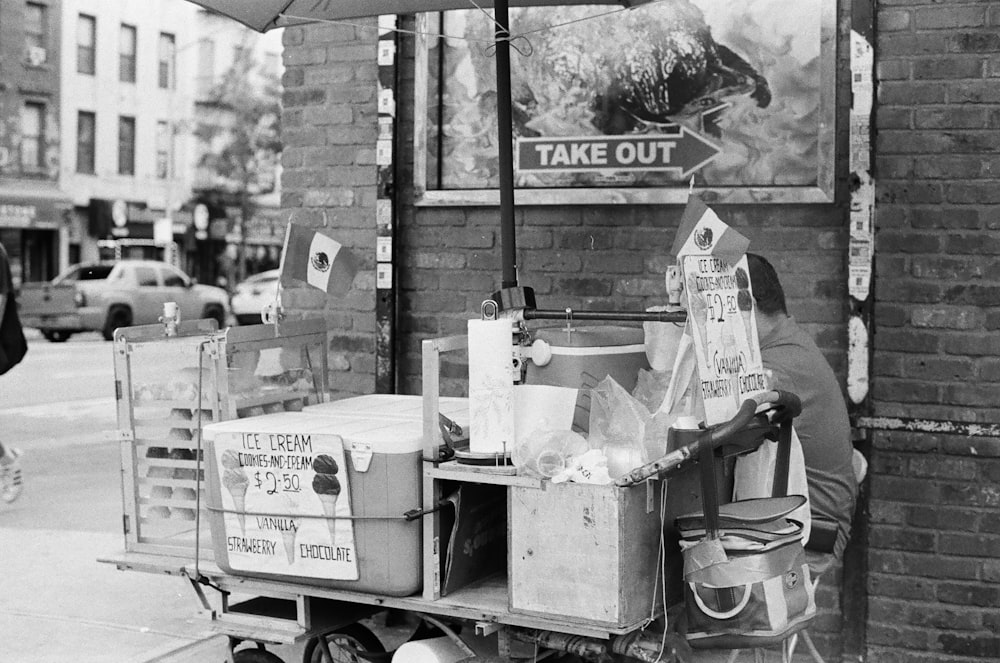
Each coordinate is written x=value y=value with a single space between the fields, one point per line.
x=244 y=131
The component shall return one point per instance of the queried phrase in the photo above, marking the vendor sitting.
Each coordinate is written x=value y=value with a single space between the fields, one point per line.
x=796 y=364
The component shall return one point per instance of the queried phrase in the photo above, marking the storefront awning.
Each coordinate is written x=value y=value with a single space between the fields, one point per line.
x=29 y=206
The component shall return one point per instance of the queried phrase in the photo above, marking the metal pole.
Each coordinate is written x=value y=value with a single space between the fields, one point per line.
x=508 y=245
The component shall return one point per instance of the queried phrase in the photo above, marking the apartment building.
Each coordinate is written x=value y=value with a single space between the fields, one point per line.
x=132 y=77
x=128 y=80
x=33 y=210
x=232 y=246
x=101 y=102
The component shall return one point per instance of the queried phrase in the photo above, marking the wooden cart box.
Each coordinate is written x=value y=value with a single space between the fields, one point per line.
x=168 y=387
x=586 y=553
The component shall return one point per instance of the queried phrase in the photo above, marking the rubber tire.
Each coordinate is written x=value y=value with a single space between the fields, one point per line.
x=363 y=640
x=56 y=335
x=216 y=313
x=118 y=316
x=255 y=655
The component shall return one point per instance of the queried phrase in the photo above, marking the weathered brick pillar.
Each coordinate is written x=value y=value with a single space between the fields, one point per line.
x=329 y=128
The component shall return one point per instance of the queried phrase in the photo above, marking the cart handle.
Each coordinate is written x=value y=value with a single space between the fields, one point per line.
x=784 y=404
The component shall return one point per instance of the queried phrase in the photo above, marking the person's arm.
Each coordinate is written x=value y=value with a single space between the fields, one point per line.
x=3 y=304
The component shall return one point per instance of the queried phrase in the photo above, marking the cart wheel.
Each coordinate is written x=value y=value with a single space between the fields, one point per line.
x=343 y=642
x=56 y=335
x=255 y=656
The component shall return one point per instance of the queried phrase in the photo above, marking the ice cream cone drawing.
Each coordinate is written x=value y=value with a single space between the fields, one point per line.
x=699 y=319
x=288 y=526
x=236 y=482
x=288 y=537
x=327 y=488
x=742 y=279
x=745 y=303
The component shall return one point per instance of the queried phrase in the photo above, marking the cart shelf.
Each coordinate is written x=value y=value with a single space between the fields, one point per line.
x=485 y=601
x=455 y=471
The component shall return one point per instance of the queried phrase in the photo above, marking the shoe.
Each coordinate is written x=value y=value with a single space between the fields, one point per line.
x=10 y=475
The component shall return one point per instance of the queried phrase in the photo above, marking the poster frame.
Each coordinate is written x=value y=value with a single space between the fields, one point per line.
x=820 y=193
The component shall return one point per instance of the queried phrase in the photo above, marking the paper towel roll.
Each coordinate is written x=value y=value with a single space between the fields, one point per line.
x=432 y=650
x=491 y=386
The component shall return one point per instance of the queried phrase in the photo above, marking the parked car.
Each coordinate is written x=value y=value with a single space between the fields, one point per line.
x=104 y=296
x=253 y=294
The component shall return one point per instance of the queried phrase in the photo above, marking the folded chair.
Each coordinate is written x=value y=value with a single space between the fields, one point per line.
x=747 y=583
x=822 y=540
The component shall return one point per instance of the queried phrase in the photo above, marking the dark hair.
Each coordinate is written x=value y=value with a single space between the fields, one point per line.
x=767 y=289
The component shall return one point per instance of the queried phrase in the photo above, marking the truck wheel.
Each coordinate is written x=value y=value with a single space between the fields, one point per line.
x=118 y=316
x=216 y=313
x=343 y=643
x=56 y=335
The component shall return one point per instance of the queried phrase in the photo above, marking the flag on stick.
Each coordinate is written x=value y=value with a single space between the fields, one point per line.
x=314 y=257
x=702 y=232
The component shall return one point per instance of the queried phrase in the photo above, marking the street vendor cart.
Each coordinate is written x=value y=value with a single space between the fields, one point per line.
x=478 y=552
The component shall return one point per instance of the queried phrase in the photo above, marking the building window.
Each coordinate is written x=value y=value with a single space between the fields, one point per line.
x=206 y=67
x=126 y=53
x=86 y=44
x=32 y=137
x=272 y=64
x=166 y=59
x=126 y=145
x=34 y=34
x=86 y=132
x=163 y=150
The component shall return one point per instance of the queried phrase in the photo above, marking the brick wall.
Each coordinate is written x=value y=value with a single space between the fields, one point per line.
x=934 y=578
x=448 y=259
x=329 y=128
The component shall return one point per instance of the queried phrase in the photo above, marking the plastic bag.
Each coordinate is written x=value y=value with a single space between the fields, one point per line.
x=589 y=467
x=546 y=453
x=617 y=427
x=651 y=388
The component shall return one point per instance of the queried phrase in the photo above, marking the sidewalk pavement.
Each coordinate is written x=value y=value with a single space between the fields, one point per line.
x=90 y=612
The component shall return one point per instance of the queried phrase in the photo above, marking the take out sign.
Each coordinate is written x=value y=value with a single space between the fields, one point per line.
x=684 y=152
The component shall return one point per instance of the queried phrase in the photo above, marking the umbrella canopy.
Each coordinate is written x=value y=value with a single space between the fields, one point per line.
x=264 y=15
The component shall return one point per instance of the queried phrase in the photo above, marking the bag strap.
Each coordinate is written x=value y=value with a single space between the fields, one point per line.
x=721 y=614
x=709 y=490
x=783 y=460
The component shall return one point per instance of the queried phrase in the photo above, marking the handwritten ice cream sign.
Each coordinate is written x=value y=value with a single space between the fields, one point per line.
x=286 y=502
x=720 y=309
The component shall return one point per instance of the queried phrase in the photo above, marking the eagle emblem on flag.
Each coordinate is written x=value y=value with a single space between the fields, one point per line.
x=320 y=261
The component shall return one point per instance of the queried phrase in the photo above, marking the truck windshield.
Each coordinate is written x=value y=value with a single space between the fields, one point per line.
x=85 y=273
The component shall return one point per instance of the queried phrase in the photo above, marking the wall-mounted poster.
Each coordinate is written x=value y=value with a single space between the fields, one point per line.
x=634 y=105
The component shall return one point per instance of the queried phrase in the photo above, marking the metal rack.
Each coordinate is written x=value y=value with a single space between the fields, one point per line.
x=169 y=387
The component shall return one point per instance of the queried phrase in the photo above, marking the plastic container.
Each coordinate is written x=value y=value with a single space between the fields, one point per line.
x=583 y=356
x=286 y=531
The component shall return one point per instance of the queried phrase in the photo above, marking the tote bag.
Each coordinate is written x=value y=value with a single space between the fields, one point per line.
x=13 y=345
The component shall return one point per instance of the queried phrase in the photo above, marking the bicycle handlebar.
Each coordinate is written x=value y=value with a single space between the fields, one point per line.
x=785 y=404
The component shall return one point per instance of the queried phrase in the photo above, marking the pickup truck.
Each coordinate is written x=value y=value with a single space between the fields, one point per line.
x=103 y=296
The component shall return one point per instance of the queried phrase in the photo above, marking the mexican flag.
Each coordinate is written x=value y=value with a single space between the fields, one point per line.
x=702 y=232
x=312 y=256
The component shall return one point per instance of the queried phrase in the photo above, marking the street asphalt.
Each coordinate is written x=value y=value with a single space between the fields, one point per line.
x=57 y=601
